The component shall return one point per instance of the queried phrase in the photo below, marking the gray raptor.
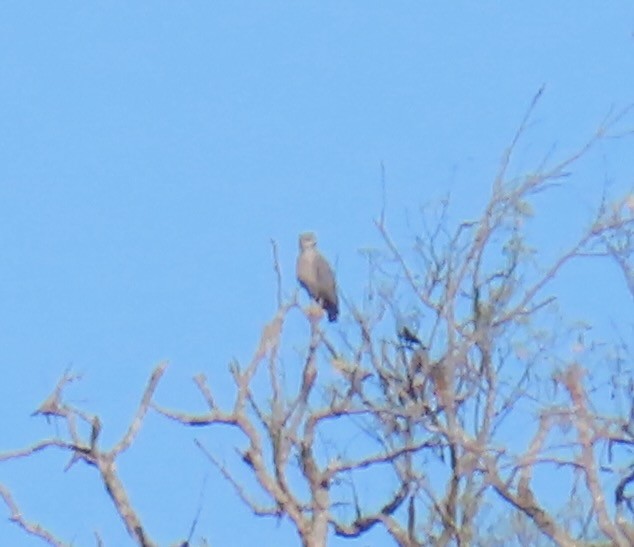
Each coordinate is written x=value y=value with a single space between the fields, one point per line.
x=315 y=275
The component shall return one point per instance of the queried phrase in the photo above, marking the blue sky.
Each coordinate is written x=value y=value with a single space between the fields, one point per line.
x=149 y=152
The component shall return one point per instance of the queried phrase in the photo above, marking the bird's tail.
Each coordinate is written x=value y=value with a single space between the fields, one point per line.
x=333 y=312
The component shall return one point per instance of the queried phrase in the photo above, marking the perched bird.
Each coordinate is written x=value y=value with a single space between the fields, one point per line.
x=407 y=328
x=408 y=337
x=315 y=275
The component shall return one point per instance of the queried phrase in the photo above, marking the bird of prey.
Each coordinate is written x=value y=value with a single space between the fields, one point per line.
x=315 y=275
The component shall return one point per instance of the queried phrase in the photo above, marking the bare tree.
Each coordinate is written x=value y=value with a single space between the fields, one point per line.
x=486 y=295
x=437 y=407
x=436 y=433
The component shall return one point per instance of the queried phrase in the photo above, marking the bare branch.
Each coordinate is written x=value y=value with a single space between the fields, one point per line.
x=31 y=528
x=135 y=426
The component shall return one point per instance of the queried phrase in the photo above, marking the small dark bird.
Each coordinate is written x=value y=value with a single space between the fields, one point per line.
x=315 y=275
x=408 y=337
x=407 y=328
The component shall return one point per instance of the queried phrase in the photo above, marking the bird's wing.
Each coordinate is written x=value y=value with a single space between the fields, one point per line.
x=323 y=275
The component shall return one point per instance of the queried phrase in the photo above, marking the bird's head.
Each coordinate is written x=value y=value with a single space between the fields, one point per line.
x=307 y=240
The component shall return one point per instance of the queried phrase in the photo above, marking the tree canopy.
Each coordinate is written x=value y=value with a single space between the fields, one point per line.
x=446 y=407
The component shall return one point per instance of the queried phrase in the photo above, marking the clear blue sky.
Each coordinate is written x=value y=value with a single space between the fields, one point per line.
x=150 y=150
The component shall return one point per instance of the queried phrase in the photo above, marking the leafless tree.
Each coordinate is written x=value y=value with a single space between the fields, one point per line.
x=437 y=408
x=436 y=435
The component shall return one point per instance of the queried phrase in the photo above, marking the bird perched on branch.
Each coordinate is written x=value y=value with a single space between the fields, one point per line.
x=407 y=328
x=315 y=275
